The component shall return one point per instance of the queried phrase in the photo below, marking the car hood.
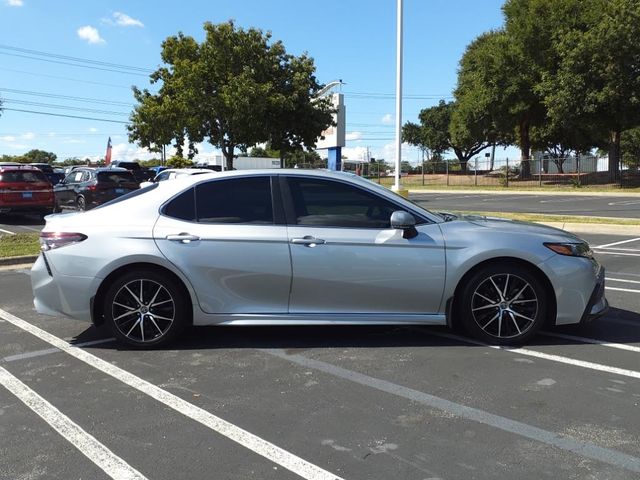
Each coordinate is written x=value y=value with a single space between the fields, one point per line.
x=516 y=226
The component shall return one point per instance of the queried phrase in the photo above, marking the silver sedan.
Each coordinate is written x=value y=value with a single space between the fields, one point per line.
x=292 y=247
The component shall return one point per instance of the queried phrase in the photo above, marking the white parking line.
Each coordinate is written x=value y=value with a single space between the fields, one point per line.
x=583 y=449
x=616 y=249
x=606 y=252
x=609 y=279
x=622 y=289
x=247 y=439
x=7 y=231
x=47 y=351
x=618 y=243
x=545 y=356
x=620 y=346
x=95 y=451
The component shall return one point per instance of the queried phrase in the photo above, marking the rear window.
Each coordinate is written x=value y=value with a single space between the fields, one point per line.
x=23 y=177
x=115 y=177
x=129 y=165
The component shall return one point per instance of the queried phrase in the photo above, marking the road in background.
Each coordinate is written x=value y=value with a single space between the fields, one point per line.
x=590 y=206
x=359 y=402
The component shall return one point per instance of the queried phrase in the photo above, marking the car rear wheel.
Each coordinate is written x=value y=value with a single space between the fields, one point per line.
x=145 y=309
x=503 y=304
x=81 y=204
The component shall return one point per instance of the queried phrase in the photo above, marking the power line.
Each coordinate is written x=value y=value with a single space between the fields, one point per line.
x=62 y=115
x=128 y=87
x=74 y=64
x=76 y=59
x=63 y=107
x=66 y=97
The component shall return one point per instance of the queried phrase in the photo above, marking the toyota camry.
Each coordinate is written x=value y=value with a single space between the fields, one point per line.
x=294 y=247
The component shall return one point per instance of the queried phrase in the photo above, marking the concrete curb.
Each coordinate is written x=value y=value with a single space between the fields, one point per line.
x=23 y=260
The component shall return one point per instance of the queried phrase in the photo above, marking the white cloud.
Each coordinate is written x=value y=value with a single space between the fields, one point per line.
x=51 y=134
x=387 y=119
x=355 y=153
x=18 y=146
x=124 y=20
x=353 y=136
x=90 y=34
x=14 y=3
x=93 y=129
x=8 y=138
x=408 y=153
x=28 y=136
x=73 y=141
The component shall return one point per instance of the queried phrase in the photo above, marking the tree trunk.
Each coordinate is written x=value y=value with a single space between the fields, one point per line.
x=525 y=149
x=227 y=152
x=493 y=157
x=614 y=156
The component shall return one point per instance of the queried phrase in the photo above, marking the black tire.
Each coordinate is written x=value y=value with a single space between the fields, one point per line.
x=503 y=304
x=81 y=203
x=56 y=207
x=145 y=309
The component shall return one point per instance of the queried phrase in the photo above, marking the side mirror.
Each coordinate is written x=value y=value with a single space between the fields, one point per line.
x=401 y=220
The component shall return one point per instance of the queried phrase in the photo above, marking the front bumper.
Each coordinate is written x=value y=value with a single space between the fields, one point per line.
x=598 y=304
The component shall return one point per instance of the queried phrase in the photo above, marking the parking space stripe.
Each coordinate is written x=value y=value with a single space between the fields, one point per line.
x=612 y=252
x=616 y=289
x=583 y=449
x=621 y=280
x=545 y=356
x=7 y=231
x=91 y=448
x=48 y=351
x=617 y=243
x=595 y=341
x=247 y=439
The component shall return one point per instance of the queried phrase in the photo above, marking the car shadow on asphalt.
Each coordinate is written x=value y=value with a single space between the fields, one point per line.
x=27 y=220
x=618 y=326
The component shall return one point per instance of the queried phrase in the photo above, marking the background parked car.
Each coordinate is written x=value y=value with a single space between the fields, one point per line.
x=172 y=173
x=85 y=188
x=24 y=189
x=52 y=175
x=141 y=174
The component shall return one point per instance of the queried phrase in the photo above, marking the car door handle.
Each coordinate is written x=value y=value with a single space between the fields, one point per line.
x=183 y=238
x=308 y=241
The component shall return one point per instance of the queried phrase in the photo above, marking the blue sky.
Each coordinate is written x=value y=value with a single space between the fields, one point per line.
x=352 y=40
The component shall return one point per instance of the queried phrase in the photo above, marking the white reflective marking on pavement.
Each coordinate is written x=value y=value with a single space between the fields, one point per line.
x=583 y=449
x=617 y=243
x=609 y=279
x=625 y=202
x=47 y=351
x=7 y=231
x=622 y=289
x=546 y=356
x=558 y=200
x=616 y=249
x=95 y=451
x=605 y=252
x=247 y=439
x=594 y=341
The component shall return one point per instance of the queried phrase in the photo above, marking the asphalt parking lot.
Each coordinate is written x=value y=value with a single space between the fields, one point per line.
x=323 y=402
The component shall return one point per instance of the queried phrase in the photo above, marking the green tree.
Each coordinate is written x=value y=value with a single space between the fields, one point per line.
x=598 y=79
x=236 y=89
x=438 y=132
x=37 y=156
x=630 y=147
x=179 y=162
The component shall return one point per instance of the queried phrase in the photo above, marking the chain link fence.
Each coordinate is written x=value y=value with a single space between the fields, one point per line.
x=570 y=171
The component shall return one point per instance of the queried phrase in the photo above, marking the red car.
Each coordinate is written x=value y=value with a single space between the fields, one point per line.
x=25 y=189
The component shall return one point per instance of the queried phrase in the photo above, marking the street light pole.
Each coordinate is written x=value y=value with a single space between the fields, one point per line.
x=396 y=186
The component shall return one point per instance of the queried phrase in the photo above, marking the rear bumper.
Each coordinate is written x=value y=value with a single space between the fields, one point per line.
x=598 y=304
x=60 y=295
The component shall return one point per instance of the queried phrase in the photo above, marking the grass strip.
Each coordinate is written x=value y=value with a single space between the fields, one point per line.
x=19 y=244
x=538 y=217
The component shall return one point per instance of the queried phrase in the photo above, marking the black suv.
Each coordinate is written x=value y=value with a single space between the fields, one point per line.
x=141 y=174
x=86 y=188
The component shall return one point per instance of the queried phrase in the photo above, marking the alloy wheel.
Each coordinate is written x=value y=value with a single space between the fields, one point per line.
x=143 y=310
x=505 y=306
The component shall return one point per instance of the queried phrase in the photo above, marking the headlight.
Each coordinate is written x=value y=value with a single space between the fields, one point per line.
x=571 y=249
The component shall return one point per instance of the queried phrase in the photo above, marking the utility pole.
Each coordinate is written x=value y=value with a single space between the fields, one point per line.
x=396 y=186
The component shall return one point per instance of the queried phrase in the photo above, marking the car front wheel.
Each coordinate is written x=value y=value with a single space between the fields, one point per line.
x=503 y=304
x=145 y=309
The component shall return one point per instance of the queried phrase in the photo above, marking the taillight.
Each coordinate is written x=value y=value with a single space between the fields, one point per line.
x=53 y=240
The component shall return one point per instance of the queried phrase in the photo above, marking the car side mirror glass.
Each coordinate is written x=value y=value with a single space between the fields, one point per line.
x=401 y=220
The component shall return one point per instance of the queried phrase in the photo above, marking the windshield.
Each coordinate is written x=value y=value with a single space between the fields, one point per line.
x=23 y=177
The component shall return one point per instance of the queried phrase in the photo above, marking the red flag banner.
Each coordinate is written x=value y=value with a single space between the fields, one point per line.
x=107 y=157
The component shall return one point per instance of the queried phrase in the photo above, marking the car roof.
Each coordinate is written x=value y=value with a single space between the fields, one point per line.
x=14 y=168
x=101 y=169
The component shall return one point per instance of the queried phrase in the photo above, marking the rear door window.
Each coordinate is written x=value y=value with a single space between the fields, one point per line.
x=23 y=177
x=235 y=200
x=115 y=177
